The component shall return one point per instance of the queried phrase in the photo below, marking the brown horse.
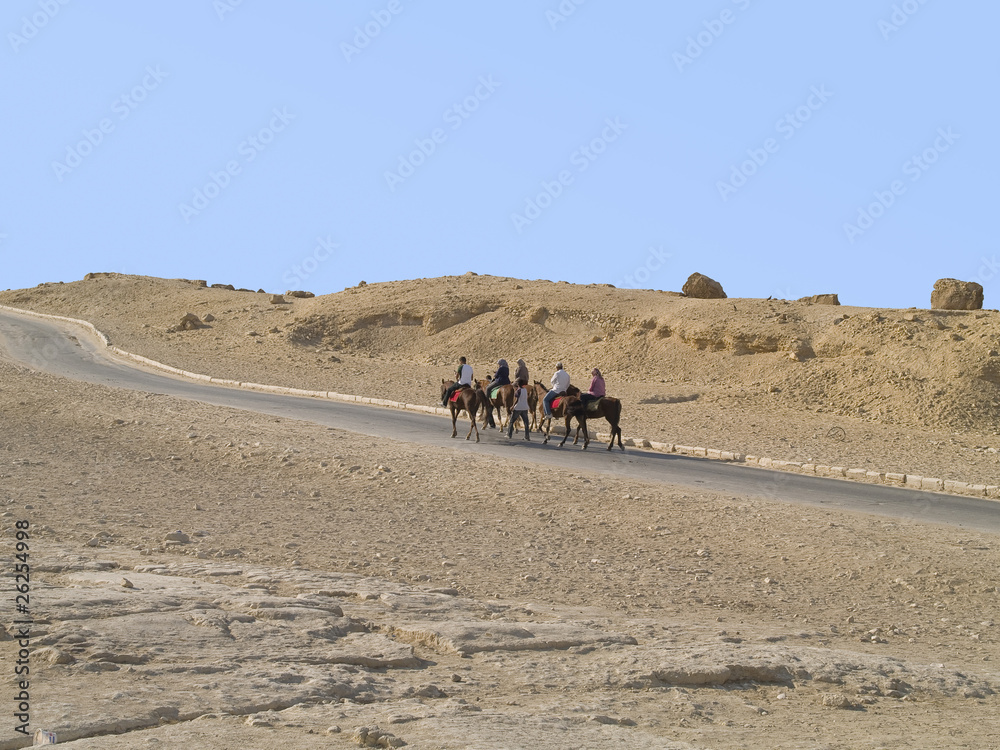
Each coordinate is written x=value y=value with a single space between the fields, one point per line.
x=607 y=407
x=468 y=400
x=559 y=412
x=504 y=400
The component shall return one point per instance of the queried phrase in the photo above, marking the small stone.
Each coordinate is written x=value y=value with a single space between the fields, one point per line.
x=837 y=700
x=177 y=536
x=126 y=583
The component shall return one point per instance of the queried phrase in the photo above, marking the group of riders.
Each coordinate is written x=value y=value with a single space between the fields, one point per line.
x=559 y=387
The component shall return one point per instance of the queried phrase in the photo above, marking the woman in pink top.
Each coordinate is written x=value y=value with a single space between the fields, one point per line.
x=596 y=389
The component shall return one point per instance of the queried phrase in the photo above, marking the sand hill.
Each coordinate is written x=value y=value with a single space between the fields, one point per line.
x=912 y=390
x=323 y=583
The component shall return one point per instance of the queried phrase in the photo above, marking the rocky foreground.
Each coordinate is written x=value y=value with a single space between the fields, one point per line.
x=204 y=577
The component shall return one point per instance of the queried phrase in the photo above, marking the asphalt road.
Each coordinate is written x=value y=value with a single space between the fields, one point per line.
x=65 y=350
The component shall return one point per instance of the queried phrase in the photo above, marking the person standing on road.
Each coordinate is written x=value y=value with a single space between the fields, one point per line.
x=520 y=408
x=463 y=377
x=560 y=382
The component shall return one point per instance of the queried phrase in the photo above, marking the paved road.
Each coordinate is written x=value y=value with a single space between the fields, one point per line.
x=63 y=349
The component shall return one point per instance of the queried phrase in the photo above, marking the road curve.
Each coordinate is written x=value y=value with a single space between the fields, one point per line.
x=63 y=349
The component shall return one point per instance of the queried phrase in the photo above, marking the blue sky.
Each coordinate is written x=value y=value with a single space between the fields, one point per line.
x=783 y=148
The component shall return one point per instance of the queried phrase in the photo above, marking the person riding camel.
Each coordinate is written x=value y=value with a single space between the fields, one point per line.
x=463 y=378
x=560 y=382
x=596 y=389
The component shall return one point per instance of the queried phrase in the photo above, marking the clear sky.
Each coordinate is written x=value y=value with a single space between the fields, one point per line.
x=784 y=148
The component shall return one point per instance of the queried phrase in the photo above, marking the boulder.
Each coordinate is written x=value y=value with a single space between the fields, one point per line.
x=189 y=322
x=700 y=286
x=952 y=294
x=277 y=299
x=300 y=294
x=230 y=287
x=821 y=299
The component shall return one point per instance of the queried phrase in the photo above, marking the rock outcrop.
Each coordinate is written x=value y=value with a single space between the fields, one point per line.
x=821 y=299
x=189 y=322
x=700 y=286
x=952 y=294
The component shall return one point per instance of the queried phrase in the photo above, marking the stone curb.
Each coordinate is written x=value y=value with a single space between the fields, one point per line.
x=910 y=481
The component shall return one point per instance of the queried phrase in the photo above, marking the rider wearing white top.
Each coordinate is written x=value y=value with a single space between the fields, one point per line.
x=560 y=379
x=463 y=378
x=560 y=382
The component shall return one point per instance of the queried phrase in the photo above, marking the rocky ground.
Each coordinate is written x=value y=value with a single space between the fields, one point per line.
x=326 y=583
x=331 y=590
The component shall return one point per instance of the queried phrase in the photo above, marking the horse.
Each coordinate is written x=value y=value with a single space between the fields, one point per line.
x=504 y=400
x=560 y=410
x=464 y=399
x=607 y=407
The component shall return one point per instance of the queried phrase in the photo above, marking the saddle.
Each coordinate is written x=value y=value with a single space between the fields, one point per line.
x=455 y=395
x=592 y=405
x=494 y=391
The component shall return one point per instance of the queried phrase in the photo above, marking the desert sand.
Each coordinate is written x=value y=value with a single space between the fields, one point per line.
x=332 y=590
